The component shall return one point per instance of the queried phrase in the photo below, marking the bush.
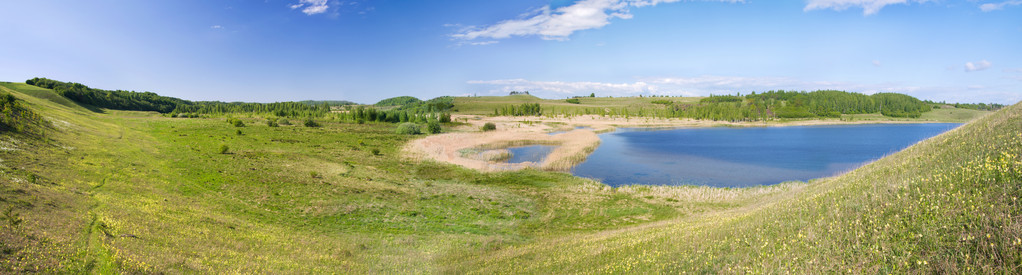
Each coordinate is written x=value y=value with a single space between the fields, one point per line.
x=271 y=123
x=236 y=122
x=573 y=101
x=238 y=132
x=311 y=123
x=224 y=149
x=408 y=128
x=283 y=121
x=433 y=127
x=489 y=126
x=376 y=152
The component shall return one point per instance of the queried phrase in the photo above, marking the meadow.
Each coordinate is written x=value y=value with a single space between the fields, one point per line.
x=107 y=191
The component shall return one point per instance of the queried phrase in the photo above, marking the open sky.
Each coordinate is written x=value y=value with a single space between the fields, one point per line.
x=366 y=50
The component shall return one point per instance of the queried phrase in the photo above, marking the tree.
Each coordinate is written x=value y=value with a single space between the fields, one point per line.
x=489 y=126
x=592 y=94
x=433 y=126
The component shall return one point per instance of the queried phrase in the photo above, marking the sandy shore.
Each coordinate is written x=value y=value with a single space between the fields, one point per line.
x=575 y=137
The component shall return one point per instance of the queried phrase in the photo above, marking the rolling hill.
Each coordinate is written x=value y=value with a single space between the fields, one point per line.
x=139 y=192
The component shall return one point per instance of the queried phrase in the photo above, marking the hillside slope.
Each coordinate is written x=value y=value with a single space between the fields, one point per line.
x=947 y=204
x=109 y=191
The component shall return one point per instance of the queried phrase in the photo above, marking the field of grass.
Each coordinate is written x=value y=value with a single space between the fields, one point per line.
x=135 y=191
x=125 y=191
x=484 y=105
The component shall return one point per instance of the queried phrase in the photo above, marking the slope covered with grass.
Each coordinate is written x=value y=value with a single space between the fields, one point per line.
x=125 y=191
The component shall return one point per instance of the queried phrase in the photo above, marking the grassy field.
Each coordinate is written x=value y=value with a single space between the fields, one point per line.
x=486 y=104
x=117 y=191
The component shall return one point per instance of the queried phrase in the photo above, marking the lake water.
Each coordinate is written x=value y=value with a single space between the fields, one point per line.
x=533 y=153
x=740 y=157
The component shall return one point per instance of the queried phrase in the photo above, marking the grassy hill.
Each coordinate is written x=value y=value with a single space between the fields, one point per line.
x=126 y=191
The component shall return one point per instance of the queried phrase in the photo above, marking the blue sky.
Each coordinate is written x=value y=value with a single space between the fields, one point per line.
x=364 y=51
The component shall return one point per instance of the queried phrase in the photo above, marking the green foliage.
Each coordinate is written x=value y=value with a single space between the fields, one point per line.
x=272 y=123
x=408 y=128
x=224 y=149
x=119 y=100
x=311 y=123
x=314 y=174
x=489 y=126
x=16 y=117
x=238 y=132
x=283 y=121
x=592 y=94
x=662 y=102
x=979 y=106
x=375 y=151
x=13 y=219
x=525 y=109
x=721 y=98
x=399 y=101
x=279 y=109
x=236 y=122
x=572 y=101
x=433 y=126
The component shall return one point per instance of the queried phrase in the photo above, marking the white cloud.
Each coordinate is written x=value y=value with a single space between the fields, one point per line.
x=559 y=23
x=216 y=27
x=311 y=7
x=978 y=66
x=876 y=63
x=997 y=6
x=869 y=7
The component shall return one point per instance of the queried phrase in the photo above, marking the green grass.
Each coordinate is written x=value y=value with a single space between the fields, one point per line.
x=485 y=105
x=138 y=192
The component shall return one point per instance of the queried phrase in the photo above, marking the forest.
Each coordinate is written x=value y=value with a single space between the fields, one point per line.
x=118 y=100
x=756 y=106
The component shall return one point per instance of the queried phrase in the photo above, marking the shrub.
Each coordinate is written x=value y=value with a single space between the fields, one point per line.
x=489 y=126
x=311 y=123
x=283 y=121
x=238 y=132
x=573 y=101
x=236 y=122
x=433 y=127
x=271 y=123
x=376 y=152
x=224 y=149
x=408 y=128
x=314 y=174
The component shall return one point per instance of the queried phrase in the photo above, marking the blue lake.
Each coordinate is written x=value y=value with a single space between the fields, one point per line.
x=533 y=153
x=740 y=157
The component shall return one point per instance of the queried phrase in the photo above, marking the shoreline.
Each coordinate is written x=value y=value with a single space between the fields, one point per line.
x=575 y=137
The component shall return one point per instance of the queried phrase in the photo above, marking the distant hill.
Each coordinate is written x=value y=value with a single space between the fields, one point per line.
x=398 y=101
x=330 y=102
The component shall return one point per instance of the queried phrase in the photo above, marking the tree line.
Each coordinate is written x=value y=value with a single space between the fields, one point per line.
x=118 y=99
x=410 y=110
x=766 y=105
